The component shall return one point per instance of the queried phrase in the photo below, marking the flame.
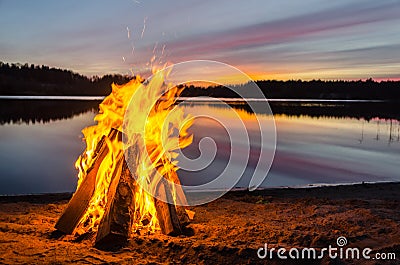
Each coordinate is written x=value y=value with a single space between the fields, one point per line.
x=163 y=129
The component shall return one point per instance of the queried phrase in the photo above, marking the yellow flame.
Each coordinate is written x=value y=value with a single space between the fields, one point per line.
x=162 y=130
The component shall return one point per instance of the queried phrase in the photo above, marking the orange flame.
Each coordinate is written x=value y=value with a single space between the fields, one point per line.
x=157 y=128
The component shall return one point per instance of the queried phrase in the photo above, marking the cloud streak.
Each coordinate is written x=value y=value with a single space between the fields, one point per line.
x=288 y=38
x=286 y=30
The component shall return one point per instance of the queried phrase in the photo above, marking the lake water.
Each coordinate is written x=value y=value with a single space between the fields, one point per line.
x=317 y=142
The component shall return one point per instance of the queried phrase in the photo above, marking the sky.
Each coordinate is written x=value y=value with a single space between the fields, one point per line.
x=267 y=39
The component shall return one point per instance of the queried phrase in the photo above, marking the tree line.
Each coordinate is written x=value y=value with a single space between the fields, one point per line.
x=24 y=79
x=314 y=89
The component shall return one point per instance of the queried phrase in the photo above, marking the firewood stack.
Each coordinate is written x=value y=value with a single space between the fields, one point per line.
x=117 y=221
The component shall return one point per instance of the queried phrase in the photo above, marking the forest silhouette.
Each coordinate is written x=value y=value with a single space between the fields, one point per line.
x=25 y=79
x=35 y=80
x=43 y=111
x=28 y=80
x=28 y=111
x=314 y=89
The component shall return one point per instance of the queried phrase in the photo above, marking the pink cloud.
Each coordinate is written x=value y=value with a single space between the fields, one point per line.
x=285 y=30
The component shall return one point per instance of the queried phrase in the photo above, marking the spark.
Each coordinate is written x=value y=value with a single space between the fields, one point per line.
x=123 y=58
x=155 y=47
x=163 y=49
x=152 y=59
x=144 y=27
x=133 y=49
x=129 y=33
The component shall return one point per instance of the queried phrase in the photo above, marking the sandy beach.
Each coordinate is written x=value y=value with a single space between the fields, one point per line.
x=229 y=230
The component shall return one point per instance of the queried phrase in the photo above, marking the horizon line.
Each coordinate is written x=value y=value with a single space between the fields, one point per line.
x=377 y=80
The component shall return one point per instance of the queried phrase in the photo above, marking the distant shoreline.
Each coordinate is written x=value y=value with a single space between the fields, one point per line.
x=46 y=108
x=59 y=196
x=24 y=79
x=199 y=99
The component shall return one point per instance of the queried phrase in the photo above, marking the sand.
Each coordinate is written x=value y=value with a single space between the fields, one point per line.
x=229 y=230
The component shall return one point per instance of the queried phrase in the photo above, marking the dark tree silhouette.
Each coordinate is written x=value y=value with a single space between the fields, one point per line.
x=18 y=79
x=315 y=89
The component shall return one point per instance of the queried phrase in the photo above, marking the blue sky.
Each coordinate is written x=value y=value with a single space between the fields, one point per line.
x=286 y=39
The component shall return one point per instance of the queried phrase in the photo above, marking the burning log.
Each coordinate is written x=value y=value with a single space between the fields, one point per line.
x=171 y=218
x=118 y=217
x=181 y=211
x=79 y=202
x=166 y=212
x=116 y=223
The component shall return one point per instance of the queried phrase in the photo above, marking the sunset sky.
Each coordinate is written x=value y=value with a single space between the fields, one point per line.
x=267 y=39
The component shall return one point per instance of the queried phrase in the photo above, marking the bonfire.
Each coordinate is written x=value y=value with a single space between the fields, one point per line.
x=127 y=180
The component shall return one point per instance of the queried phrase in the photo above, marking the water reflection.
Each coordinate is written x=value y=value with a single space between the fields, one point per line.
x=42 y=111
x=40 y=157
x=328 y=143
x=18 y=111
x=359 y=110
x=309 y=150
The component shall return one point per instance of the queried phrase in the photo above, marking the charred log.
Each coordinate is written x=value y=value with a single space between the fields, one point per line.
x=166 y=212
x=116 y=223
x=79 y=202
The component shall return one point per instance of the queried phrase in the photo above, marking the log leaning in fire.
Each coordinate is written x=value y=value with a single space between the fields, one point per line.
x=79 y=202
x=181 y=211
x=170 y=220
x=166 y=213
x=115 y=226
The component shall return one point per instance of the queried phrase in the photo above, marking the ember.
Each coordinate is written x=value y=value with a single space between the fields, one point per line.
x=130 y=156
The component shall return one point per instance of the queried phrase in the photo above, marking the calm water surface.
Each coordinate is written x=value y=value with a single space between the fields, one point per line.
x=38 y=150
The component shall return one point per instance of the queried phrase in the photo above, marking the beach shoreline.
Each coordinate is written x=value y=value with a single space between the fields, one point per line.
x=228 y=230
